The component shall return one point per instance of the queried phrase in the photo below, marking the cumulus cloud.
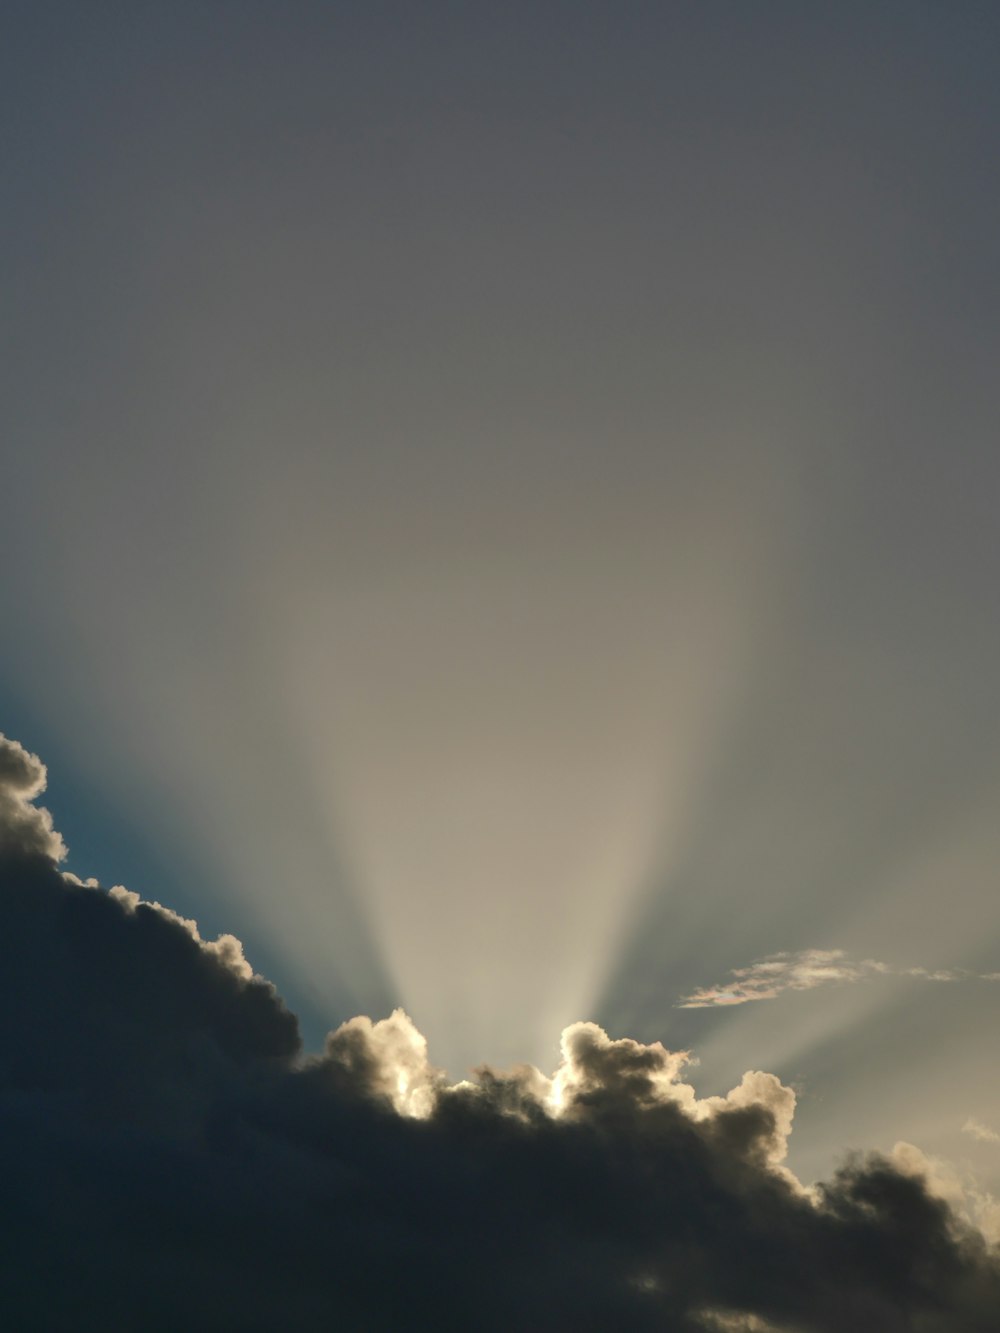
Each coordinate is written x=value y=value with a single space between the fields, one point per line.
x=769 y=977
x=959 y=1189
x=25 y=829
x=390 y=1059
x=226 y=948
x=171 y=1159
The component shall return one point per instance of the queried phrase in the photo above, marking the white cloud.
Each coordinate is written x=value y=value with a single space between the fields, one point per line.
x=25 y=829
x=391 y=1056
x=769 y=977
x=979 y=1131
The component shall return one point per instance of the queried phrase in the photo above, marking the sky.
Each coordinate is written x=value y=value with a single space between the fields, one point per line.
x=499 y=516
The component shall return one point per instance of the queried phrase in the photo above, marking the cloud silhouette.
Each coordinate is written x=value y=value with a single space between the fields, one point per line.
x=171 y=1159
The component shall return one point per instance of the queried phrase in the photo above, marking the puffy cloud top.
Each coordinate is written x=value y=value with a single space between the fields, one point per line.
x=24 y=828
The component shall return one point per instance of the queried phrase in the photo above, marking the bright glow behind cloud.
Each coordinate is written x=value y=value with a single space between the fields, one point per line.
x=510 y=746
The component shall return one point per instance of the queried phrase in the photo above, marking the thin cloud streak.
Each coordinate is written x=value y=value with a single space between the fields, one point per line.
x=808 y=969
x=977 y=1130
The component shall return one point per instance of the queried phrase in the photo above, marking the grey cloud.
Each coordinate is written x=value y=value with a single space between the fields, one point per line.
x=172 y=1160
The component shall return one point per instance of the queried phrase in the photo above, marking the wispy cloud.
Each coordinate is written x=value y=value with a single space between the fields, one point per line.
x=807 y=969
x=979 y=1131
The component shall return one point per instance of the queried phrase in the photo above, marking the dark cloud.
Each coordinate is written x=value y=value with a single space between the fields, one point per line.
x=171 y=1160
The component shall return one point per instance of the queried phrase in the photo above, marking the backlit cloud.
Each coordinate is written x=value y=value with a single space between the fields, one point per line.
x=25 y=829
x=172 y=1159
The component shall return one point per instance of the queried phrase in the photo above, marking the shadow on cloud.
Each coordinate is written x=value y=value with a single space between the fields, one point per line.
x=173 y=1159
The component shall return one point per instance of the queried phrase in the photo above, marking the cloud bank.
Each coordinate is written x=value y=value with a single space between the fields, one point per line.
x=769 y=977
x=172 y=1159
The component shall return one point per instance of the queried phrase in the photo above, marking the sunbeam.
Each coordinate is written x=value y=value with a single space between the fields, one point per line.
x=499 y=541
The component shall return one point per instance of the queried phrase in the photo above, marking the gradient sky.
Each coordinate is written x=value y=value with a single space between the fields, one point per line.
x=500 y=513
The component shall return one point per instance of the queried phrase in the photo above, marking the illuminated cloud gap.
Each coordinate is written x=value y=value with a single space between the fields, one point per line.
x=808 y=969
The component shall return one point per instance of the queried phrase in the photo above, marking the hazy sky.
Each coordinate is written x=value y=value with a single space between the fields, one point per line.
x=499 y=511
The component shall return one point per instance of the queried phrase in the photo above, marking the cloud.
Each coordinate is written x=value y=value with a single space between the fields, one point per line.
x=769 y=977
x=227 y=948
x=390 y=1059
x=25 y=829
x=960 y=1191
x=171 y=1159
x=980 y=1131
